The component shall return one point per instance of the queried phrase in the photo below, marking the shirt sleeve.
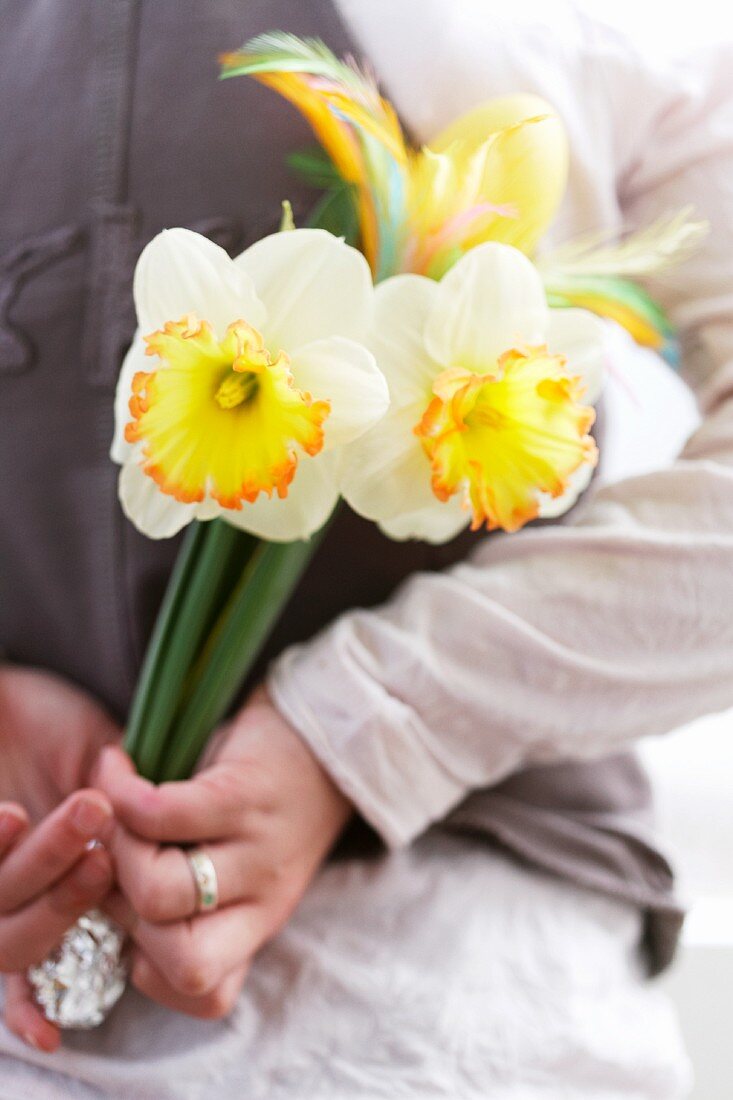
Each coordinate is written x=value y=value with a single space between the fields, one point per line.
x=565 y=641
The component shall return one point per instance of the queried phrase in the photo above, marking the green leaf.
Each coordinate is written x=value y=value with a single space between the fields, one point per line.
x=336 y=212
x=314 y=167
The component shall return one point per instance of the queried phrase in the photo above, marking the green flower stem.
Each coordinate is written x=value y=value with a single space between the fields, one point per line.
x=160 y=638
x=208 y=565
x=267 y=582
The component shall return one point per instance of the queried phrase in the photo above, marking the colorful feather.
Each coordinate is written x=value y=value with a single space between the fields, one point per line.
x=665 y=242
x=355 y=125
x=497 y=173
x=620 y=300
x=595 y=272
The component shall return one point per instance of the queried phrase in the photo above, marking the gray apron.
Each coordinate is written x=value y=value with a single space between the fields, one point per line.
x=113 y=125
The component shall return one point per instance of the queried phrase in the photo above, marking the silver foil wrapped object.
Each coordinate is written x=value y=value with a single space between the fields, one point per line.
x=82 y=980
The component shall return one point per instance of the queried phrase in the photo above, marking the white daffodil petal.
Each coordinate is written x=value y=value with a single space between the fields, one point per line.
x=578 y=482
x=582 y=338
x=438 y=523
x=208 y=509
x=491 y=301
x=155 y=514
x=386 y=473
x=181 y=272
x=346 y=374
x=402 y=306
x=134 y=361
x=313 y=286
x=312 y=496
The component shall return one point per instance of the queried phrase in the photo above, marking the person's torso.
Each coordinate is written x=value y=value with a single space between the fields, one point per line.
x=113 y=125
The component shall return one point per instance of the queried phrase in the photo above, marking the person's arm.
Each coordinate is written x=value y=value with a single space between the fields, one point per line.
x=566 y=641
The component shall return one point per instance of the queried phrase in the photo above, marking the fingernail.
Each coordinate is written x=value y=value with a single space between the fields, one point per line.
x=31 y=1040
x=10 y=826
x=107 y=753
x=114 y=755
x=89 y=816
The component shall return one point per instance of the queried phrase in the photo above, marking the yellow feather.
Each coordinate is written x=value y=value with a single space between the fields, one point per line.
x=669 y=240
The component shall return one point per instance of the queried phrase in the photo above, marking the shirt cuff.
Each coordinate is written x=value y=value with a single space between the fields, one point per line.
x=371 y=744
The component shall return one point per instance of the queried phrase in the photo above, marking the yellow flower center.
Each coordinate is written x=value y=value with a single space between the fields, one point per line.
x=221 y=417
x=503 y=437
x=236 y=388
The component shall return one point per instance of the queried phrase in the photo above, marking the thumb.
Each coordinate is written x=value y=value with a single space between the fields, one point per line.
x=111 y=766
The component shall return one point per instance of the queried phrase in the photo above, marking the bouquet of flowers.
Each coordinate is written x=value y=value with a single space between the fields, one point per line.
x=406 y=352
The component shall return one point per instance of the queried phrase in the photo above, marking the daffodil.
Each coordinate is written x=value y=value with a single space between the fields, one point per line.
x=244 y=383
x=491 y=396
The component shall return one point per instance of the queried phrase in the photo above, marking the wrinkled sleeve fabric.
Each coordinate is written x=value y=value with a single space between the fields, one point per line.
x=573 y=640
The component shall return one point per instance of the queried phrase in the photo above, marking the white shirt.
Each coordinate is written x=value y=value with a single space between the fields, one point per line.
x=572 y=640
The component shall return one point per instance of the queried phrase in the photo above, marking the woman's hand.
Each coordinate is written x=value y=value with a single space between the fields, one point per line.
x=264 y=810
x=50 y=735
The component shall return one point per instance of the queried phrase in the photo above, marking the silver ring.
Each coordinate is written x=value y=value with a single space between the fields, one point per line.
x=205 y=880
